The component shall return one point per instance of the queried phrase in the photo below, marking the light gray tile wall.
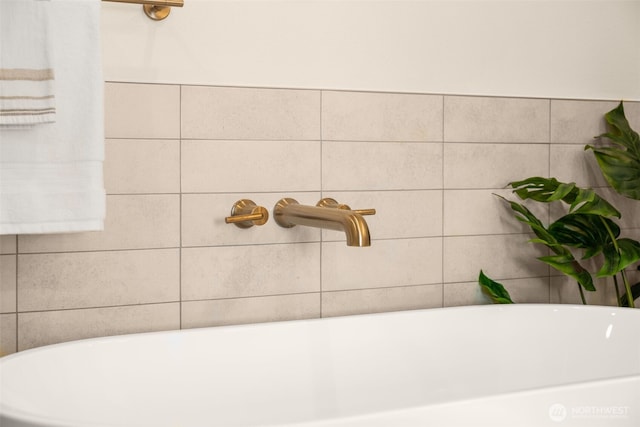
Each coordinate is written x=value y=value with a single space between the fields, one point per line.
x=8 y=277
x=8 y=298
x=142 y=166
x=178 y=157
x=56 y=281
x=7 y=244
x=248 y=271
x=236 y=311
x=212 y=166
x=503 y=120
x=250 y=114
x=50 y=327
x=360 y=116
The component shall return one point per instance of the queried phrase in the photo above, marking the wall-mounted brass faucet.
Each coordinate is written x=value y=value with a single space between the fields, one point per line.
x=328 y=215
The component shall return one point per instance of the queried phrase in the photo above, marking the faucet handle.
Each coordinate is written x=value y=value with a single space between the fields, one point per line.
x=328 y=202
x=245 y=214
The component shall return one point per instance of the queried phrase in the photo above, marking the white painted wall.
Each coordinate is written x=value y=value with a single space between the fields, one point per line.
x=538 y=48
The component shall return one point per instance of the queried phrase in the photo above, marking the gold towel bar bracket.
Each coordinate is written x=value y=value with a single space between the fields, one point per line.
x=154 y=9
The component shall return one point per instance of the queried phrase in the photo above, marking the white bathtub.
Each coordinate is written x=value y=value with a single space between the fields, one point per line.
x=520 y=365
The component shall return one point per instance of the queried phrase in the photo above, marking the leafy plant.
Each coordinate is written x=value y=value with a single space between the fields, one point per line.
x=494 y=290
x=620 y=162
x=589 y=225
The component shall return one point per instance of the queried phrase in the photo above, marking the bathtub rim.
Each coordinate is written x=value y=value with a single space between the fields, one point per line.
x=20 y=417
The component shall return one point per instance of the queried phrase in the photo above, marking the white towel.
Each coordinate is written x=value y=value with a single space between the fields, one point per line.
x=26 y=73
x=51 y=174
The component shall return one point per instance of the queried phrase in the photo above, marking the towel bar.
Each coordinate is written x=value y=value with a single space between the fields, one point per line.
x=154 y=9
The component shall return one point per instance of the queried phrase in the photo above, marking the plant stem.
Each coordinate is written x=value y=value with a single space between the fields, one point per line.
x=622 y=272
x=615 y=282
x=584 y=301
x=628 y=288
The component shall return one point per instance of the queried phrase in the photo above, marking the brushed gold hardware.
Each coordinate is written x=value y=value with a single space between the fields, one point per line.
x=288 y=213
x=245 y=214
x=154 y=9
x=170 y=3
x=328 y=202
x=157 y=13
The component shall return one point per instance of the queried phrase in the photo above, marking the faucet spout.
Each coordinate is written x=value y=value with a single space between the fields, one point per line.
x=288 y=213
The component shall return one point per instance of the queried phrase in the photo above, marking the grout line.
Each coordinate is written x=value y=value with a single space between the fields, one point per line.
x=351 y=90
x=180 y=212
x=99 y=250
x=444 y=165
x=279 y=243
x=17 y=293
x=99 y=307
x=302 y=141
x=321 y=196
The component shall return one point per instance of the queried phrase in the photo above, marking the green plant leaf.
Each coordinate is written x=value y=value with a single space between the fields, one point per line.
x=629 y=252
x=568 y=265
x=524 y=215
x=611 y=262
x=616 y=260
x=580 y=200
x=494 y=290
x=563 y=260
x=620 y=162
x=584 y=231
x=620 y=129
x=635 y=292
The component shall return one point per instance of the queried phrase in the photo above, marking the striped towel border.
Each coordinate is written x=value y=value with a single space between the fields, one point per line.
x=26 y=96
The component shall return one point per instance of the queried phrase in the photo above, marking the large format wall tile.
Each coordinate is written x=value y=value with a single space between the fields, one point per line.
x=571 y=163
x=97 y=279
x=578 y=122
x=133 y=222
x=142 y=111
x=8 y=244
x=250 y=166
x=245 y=271
x=244 y=113
x=341 y=303
x=361 y=116
x=499 y=256
x=482 y=119
x=7 y=283
x=362 y=166
x=142 y=166
x=492 y=165
x=483 y=212
x=50 y=327
x=8 y=334
x=385 y=263
x=234 y=311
